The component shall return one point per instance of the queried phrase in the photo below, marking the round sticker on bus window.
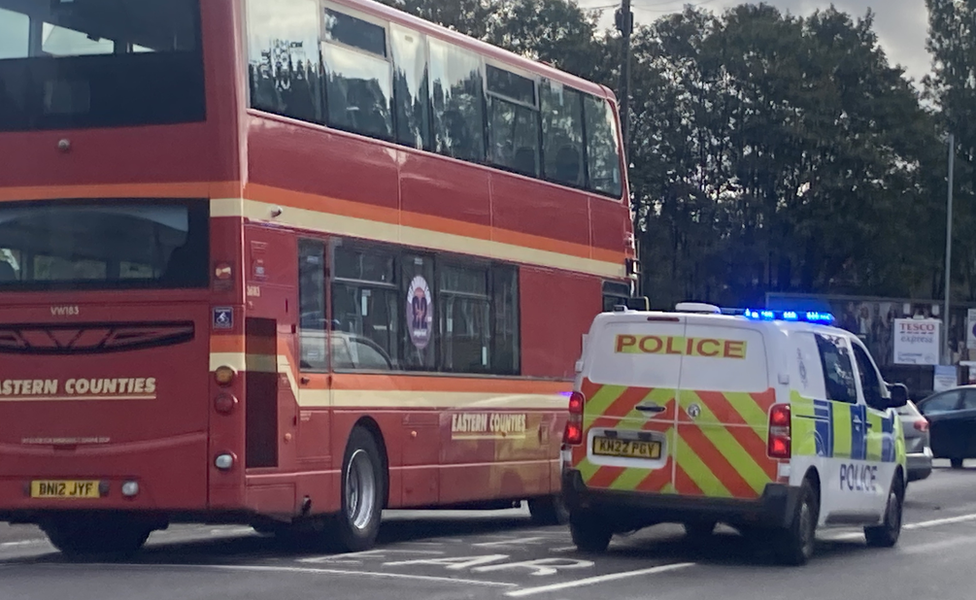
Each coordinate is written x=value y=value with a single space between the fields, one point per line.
x=420 y=312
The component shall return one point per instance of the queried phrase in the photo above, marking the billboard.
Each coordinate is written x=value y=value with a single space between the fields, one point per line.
x=916 y=341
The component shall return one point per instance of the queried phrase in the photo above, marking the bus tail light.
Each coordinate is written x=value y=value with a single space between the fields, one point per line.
x=224 y=375
x=780 y=431
x=573 y=434
x=225 y=404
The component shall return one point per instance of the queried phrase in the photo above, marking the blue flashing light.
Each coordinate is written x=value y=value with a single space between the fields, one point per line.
x=823 y=318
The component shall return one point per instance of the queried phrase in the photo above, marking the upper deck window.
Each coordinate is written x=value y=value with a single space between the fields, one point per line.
x=562 y=134
x=458 y=97
x=358 y=75
x=392 y=83
x=283 y=58
x=602 y=151
x=513 y=121
x=99 y=63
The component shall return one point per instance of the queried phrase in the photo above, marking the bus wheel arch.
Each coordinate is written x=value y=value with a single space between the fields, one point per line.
x=371 y=426
x=363 y=490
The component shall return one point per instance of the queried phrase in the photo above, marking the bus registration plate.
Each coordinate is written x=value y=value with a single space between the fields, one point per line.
x=64 y=489
x=626 y=448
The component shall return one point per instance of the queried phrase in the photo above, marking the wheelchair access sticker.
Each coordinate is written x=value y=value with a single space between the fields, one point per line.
x=223 y=318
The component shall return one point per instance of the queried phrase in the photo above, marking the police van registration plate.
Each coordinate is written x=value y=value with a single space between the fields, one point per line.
x=603 y=446
x=64 y=489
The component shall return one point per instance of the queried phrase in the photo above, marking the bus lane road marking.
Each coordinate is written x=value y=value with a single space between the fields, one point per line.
x=298 y=570
x=555 y=587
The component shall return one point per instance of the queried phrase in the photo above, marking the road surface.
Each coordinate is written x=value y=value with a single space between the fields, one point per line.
x=501 y=555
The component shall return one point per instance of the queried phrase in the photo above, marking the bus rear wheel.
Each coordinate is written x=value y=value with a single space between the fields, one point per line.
x=96 y=535
x=364 y=482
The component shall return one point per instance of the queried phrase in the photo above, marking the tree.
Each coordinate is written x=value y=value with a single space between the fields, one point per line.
x=952 y=86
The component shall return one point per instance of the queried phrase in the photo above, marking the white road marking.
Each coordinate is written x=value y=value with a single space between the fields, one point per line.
x=563 y=549
x=509 y=542
x=595 y=580
x=304 y=570
x=378 y=554
x=937 y=522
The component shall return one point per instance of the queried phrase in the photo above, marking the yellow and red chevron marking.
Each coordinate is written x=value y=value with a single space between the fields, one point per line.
x=719 y=453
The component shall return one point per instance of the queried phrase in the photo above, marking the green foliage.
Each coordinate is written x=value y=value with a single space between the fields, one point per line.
x=952 y=86
x=769 y=152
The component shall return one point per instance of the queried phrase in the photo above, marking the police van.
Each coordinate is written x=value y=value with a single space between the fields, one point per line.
x=774 y=423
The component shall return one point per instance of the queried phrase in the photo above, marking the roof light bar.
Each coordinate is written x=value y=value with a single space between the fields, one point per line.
x=789 y=315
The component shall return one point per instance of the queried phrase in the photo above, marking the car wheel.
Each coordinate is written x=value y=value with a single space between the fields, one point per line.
x=590 y=533
x=886 y=535
x=363 y=492
x=799 y=539
x=549 y=510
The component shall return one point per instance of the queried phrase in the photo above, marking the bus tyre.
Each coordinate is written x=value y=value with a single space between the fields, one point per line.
x=78 y=537
x=886 y=535
x=363 y=493
x=590 y=533
x=799 y=539
x=549 y=510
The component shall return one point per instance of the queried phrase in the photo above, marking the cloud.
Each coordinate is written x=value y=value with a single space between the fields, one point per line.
x=902 y=25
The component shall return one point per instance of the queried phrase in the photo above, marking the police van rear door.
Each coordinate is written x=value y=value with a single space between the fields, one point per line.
x=722 y=419
x=630 y=383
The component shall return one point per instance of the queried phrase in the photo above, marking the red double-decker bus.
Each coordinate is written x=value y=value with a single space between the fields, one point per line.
x=288 y=263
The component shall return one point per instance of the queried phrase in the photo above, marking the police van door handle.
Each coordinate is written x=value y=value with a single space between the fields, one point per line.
x=651 y=408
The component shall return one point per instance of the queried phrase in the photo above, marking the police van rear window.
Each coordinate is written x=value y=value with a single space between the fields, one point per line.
x=723 y=358
x=636 y=353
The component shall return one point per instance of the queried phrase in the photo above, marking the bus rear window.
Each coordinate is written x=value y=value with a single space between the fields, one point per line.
x=103 y=245
x=99 y=63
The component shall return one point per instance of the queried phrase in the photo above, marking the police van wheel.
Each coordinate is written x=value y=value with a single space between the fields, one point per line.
x=799 y=540
x=886 y=535
x=590 y=532
x=363 y=492
x=549 y=510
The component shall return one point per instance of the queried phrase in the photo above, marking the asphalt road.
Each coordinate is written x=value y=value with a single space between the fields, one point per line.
x=500 y=555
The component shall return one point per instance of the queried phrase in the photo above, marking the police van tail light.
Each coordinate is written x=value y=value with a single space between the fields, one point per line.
x=780 y=431
x=573 y=434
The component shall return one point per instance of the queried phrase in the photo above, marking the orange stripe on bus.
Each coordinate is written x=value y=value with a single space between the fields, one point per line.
x=317 y=203
x=360 y=210
x=416 y=383
x=227 y=343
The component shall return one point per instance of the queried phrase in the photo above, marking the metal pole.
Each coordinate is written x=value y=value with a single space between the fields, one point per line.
x=948 y=252
x=625 y=24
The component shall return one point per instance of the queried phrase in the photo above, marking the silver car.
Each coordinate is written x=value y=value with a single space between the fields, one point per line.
x=917 y=446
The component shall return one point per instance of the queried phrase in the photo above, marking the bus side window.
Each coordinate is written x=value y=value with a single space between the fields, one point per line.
x=311 y=300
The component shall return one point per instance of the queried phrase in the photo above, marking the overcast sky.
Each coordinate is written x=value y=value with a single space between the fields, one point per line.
x=901 y=24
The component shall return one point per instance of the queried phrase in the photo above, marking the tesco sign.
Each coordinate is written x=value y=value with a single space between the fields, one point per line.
x=917 y=341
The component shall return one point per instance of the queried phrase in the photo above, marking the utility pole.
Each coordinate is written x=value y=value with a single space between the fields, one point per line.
x=625 y=25
x=948 y=252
